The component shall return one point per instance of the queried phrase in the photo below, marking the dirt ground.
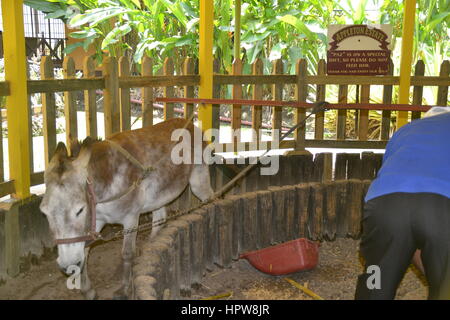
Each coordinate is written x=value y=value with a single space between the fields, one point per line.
x=334 y=278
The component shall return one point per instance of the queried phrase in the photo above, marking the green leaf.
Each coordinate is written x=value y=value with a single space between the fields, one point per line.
x=254 y=37
x=95 y=16
x=56 y=14
x=276 y=51
x=298 y=24
x=72 y=47
x=176 y=10
x=115 y=34
x=192 y=23
x=43 y=6
x=82 y=34
x=436 y=20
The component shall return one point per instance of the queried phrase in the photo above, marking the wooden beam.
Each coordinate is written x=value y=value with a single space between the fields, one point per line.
x=206 y=61
x=16 y=102
x=409 y=14
x=61 y=85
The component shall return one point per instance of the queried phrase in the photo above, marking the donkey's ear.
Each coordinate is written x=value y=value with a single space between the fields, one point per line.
x=84 y=155
x=75 y=147
x=59 y=158
x=87 y=142
x=60 y=152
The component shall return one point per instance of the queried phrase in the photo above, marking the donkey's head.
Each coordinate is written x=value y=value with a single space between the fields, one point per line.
x=65 y=201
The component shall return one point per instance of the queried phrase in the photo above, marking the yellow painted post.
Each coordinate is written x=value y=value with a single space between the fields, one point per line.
x=16 y=102
x=206 y=62
x=406 y=59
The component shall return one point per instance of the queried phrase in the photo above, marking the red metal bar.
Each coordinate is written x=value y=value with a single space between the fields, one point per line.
x=295 y=104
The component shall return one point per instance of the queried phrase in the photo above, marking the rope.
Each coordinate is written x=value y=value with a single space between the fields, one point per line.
x=296 y=104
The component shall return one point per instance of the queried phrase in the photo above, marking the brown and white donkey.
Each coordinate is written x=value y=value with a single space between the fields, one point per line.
x=110 y=174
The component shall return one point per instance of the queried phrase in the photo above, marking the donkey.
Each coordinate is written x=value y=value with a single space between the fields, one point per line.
x=111 y=175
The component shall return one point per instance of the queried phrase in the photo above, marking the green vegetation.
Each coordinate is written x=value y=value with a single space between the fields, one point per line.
x=288 y=29
x=271 y=29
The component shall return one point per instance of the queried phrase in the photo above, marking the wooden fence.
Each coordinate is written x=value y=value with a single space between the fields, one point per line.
x=116 y=82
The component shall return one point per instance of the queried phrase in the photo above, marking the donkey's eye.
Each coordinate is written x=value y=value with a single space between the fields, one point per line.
x=79 y=212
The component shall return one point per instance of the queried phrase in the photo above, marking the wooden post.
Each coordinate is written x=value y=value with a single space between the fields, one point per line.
x=70 y=105
x=354 y=205
x=90 y=103
x=367 y=165
x=216 y=94
x=30 y=131
x=323 y=167
x=301 y=93
x=147 y=93
x=205 y=90
x=303 y=196
x=386 y=114
x=290 y=199
x=363 y=129
x=188 y=69
x=340 y=170
x=212 y=238
x=111 y=96
x=237 y=226
x=248 y=240
x=353 y=166
x=278 y=224
x=418 y=90
x=330 y=210
x=409 y=15
x=2 y=157
x=224 y=220
x=342 y=208
x=257 y=69
x=12 y=240
x=168 y=91
x=342 y=113
x=265 y=231
x=2 y=247
x=48 y=110
x=443 y=90
x=277 y=95
x=320 y=96
x=16 y=102
x=197 y=245
x=315 y=223
x=124 y=95
x=236 y=110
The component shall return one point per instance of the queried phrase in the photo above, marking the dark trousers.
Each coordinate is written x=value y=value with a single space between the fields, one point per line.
x=394 y=226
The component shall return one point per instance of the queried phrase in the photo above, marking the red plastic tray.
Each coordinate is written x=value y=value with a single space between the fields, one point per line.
x=293 y=256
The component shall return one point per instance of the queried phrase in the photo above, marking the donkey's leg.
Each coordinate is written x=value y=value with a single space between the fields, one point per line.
x=158 y=217
x=200 y=182
x=88 y=292
x=128 y=253
x=86 y=286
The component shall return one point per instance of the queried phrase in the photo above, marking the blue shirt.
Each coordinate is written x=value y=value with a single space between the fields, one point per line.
x=417 y=159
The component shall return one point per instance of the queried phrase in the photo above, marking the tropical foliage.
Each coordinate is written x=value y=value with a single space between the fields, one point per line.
x=288 y=29
x=271 y=30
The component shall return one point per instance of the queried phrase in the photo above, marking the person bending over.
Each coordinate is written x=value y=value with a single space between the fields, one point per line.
x=407 y=208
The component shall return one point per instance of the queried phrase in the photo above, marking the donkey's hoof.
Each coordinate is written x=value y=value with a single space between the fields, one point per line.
x=90 y=294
